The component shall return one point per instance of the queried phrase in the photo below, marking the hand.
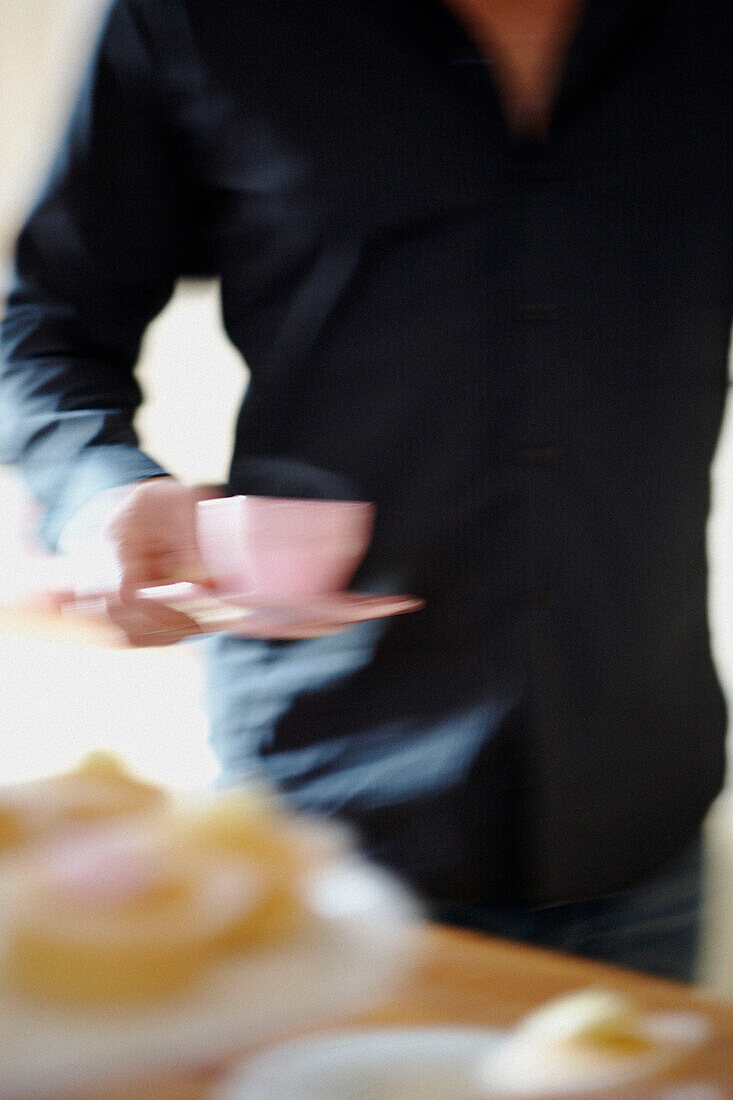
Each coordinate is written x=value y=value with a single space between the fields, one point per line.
x=134 y=537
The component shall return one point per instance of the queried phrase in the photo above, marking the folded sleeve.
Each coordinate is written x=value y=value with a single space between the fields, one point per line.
x=96 y=260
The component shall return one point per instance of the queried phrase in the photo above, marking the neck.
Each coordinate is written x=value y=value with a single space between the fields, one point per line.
x=526 y=42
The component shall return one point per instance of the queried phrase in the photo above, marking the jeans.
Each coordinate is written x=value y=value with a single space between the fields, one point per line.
x=653 y=927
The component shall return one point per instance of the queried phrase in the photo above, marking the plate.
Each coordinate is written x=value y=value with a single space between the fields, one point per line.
x=362 y=941
x=431 y=1063
x=387 y=1064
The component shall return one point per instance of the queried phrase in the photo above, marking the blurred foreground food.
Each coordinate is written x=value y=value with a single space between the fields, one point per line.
x=591 y=1042
x=115 y=892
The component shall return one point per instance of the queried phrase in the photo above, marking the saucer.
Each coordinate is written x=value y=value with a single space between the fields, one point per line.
x=250 y=616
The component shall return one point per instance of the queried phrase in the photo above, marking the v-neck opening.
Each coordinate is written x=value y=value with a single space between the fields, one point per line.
x=600 y=25
x=514 y=94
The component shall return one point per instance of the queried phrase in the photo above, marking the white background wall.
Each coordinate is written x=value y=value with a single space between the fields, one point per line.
x=57 y=701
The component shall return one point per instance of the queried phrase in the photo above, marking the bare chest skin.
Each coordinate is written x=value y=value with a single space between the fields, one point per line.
x=526 y=42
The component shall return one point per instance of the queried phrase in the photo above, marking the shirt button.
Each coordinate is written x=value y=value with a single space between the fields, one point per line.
x=534 y=456
x=533 y=166
x=534 y=173
x=545 y=597
x=536 y=311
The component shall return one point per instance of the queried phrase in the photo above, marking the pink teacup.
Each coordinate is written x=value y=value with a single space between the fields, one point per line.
x=282 y=550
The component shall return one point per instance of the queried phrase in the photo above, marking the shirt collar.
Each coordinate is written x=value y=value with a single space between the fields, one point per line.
x=605 y=29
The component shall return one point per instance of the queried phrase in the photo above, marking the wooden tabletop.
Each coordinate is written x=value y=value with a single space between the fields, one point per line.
x=471 y=979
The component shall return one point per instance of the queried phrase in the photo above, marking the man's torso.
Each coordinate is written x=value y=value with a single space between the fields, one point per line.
x=518 y=349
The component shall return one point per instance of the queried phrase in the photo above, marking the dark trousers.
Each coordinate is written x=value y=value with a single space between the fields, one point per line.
x=652 y=927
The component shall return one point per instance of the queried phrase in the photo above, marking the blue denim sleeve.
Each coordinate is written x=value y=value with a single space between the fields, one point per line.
x=96 y=260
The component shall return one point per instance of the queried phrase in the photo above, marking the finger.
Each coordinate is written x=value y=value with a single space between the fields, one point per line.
x=149 y=570
x=147 y=622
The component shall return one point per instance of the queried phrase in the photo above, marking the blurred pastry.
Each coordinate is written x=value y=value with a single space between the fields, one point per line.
x=114 y=917
x=247 y=823
x=120 y=914
x=591 y=1042
x=98 y=789
x=250 y=825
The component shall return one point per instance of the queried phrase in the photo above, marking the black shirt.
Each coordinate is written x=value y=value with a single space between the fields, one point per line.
x=516 y=348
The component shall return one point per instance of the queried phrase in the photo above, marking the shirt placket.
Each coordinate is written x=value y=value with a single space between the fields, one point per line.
x=537 y=372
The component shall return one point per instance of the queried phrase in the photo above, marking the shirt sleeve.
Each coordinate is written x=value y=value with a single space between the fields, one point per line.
x=96 y=260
